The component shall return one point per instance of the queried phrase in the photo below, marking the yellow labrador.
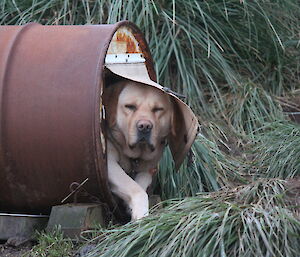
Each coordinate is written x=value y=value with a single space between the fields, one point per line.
x=139 y=123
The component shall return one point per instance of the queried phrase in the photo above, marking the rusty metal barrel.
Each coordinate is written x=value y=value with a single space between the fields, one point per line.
x=51 y=82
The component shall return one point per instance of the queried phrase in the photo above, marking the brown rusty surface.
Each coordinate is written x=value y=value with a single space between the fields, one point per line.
x=51 y=78
x=130 y=45
x=129 y=39
x=146 y=53
x=124 y=42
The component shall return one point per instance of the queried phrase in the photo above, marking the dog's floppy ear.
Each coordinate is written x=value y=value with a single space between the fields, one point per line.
x=176 y=137
x=110 y=99
x=183 y=132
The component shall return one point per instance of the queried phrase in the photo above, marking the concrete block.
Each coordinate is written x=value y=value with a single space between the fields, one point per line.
x=76 y=218
x=21 y=225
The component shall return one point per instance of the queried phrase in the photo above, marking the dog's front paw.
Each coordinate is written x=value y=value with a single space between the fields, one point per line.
x=139 y=206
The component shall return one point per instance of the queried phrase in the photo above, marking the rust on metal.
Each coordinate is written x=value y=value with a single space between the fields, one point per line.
x=130 y=40
x=51 y=120
x=124 y=41
x=130 y=46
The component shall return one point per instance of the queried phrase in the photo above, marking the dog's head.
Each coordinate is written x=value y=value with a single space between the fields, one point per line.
x=140 y=118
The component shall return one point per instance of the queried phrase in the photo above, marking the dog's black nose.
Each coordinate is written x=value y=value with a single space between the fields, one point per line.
x=144 y=126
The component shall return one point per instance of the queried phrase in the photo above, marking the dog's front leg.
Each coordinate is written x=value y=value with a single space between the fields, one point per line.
x=144 y=179
x=126 y=188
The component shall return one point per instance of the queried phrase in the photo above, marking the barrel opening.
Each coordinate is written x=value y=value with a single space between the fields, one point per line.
x=126 y=48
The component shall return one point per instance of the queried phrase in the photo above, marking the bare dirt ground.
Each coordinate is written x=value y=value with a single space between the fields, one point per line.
x=12 y=251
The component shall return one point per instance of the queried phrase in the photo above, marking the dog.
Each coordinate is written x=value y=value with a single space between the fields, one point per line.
x=139 y=121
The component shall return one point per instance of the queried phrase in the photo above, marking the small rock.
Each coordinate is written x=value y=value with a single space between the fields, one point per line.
x=17 y=241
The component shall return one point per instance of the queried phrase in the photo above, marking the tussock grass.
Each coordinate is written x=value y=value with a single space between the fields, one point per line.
x=252 y=220
x=250 y=108
x=278 y=150
x=206 y=169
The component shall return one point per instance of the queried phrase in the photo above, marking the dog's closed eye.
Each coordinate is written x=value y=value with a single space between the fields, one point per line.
x=157 y=109
x=131 y=107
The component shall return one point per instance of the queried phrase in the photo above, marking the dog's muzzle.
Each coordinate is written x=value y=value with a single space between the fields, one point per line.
x=144 y=129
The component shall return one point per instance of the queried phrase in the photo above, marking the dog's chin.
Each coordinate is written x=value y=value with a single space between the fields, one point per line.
x=142 y=145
